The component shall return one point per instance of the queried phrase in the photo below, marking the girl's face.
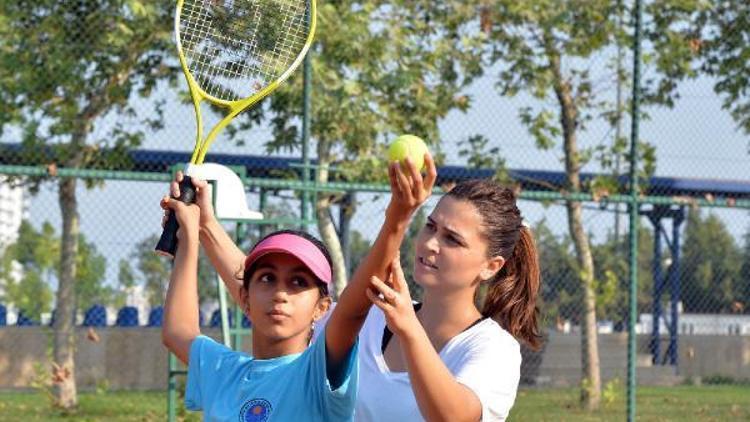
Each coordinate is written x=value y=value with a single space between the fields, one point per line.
x=283 y=299
x=451 y=252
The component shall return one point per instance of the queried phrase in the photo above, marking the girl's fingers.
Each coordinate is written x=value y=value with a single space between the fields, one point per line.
x=174 y=187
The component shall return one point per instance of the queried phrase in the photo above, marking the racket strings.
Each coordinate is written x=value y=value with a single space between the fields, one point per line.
x=236 y=48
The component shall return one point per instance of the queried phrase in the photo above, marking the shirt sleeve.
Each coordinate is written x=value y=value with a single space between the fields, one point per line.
x=207 y=361
x=337 y=401
x=492 y=369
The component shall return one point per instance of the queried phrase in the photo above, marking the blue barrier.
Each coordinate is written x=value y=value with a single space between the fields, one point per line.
x=95 y=316
x=127 y=317
x=156 y=316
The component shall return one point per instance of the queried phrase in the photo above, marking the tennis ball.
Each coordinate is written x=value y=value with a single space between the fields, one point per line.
x=408 y=146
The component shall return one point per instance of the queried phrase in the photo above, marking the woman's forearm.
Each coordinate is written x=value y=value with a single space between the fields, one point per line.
x=224 y=255
x=437 y=392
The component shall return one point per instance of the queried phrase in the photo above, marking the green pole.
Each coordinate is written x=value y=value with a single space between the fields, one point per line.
x=307 y=87
x=633 y=238
x=172 y=389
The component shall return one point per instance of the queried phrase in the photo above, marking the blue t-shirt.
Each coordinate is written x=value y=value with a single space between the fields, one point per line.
x=232 y=386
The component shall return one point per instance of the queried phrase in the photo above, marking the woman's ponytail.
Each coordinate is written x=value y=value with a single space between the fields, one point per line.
x=512 y=293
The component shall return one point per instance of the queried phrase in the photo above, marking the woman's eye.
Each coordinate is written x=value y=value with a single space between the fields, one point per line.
x=429 y=226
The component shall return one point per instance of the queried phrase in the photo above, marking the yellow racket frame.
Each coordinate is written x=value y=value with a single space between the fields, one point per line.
x=235 y=107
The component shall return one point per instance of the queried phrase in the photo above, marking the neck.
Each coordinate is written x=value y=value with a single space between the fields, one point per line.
x=448 y=312
x=265 y=347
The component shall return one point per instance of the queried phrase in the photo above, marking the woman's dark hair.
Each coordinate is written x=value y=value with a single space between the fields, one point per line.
x=512 y=292
x=247 y=273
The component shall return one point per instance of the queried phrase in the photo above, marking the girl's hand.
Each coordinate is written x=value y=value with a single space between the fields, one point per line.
x=188 y=215
x=409 y=189
x=395 y=301
x=203 y=197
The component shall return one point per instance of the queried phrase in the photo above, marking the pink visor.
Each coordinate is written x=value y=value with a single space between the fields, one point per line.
x=297 y=246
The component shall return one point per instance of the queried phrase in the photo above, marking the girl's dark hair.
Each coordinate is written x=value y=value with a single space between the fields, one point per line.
x=512 y=292
x=247 y=273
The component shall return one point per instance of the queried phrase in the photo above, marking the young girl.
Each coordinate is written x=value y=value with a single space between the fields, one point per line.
x=444 y=358
x=283 y=291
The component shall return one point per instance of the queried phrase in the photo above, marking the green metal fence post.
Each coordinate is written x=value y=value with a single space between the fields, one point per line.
x=633 y=209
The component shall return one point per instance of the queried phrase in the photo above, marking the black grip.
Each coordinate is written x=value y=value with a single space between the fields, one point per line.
x=167 y=245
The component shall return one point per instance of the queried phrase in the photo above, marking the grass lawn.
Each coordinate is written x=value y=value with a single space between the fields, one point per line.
x=683 y=403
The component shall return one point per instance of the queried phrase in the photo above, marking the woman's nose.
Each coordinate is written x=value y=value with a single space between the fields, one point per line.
x=431 y=244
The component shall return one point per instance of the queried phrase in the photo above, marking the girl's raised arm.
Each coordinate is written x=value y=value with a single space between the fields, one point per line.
x=181 y=319
x=408 y=192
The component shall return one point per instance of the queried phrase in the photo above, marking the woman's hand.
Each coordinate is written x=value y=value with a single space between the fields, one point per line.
x=395 y=301
x=409 y=189
x=203 y=196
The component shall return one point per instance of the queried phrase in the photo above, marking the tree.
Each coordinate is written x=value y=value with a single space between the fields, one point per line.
x=545 y=49
x=553 y=51
x=26 y=268
x=710 y=272
x=153 y=271
x=379 y=69
x=65 y=66
x=744 y=278
x=407 y=253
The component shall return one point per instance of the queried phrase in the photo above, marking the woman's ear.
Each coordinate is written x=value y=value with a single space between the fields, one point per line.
x=491 y=267
x=324 y=303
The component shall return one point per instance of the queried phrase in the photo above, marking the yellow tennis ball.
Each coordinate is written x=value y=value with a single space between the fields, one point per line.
x=408 y=146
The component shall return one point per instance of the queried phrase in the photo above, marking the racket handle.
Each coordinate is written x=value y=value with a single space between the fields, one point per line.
x=167 y=245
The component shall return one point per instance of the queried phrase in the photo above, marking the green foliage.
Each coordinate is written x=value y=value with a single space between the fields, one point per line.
x=710 y=269
x=37 y=254
x=67 y=65
x=147 y=269
x=561 y=290
x=408 y=253
x=380 y=69
x=27 y=268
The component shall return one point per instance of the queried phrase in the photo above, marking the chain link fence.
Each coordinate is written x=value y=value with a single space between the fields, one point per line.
x=91 y=91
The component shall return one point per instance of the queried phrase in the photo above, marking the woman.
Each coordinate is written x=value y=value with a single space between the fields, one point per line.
x=443 y=359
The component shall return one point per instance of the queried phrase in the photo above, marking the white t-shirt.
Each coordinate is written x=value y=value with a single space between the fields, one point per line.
x=485 y=358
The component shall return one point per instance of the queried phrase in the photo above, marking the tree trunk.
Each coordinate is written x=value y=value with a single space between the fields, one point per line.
x=64 y=327
x=590 y=378
x=325 y=224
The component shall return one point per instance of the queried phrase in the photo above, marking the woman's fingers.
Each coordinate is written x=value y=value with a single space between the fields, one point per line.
x=389 y=295
x=397 y=275
x=430 y=173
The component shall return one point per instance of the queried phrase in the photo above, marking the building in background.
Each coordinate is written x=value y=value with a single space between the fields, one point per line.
x=14 y=207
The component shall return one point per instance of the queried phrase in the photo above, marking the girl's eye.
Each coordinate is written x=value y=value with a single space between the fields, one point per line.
x=430 y=226
x=265 y=278
x=300 y=282
x=453 y=240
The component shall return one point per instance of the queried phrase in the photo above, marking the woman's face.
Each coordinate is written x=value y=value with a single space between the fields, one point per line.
x=283 y=298
x=451 y=252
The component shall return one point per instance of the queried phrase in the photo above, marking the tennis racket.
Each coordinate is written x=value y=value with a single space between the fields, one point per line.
x=234 y=53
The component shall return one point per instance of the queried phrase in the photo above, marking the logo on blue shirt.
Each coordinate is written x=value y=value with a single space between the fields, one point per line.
x=255 y=410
